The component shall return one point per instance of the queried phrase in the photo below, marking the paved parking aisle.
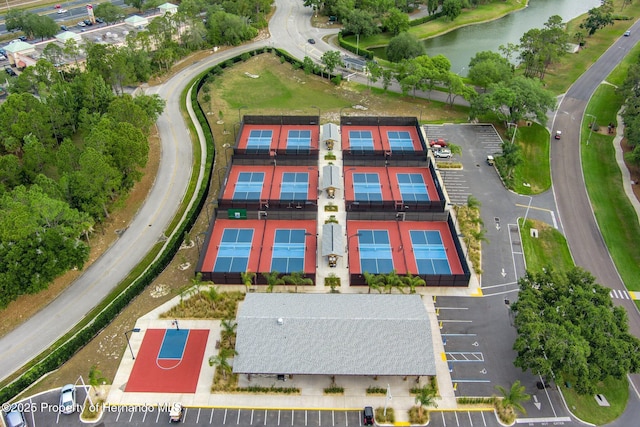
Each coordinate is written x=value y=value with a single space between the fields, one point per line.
x=233 y=417
x=463 y=419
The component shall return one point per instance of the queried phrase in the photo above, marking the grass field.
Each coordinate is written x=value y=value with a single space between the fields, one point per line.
x=533 y=175
x=587 y=409
x=550 y=249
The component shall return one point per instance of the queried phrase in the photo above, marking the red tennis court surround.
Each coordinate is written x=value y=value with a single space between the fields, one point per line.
x=151 y=373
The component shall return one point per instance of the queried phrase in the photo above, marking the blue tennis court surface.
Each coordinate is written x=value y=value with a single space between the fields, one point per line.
x=412 y=187
x=234 y=250
x=366 y=187
x=173 y=344
x=430 y=254
x=288 y=251
x=248 y=186
x=360 y=140
x=375 y=251
x=259 y=141
x=295 y=186
x=298 y=141
x=400 y=141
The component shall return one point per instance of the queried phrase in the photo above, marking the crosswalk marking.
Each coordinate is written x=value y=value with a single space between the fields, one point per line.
x=616 y=294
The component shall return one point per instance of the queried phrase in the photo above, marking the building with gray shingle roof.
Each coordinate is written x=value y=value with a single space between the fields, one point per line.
x=332 y=334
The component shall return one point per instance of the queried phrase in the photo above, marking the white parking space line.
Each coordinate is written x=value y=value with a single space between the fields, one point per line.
x=305 y=418
x=444 y=423
x=333 y=418
x=158 y=416
x=278 y=417
x=292 y=415
x=238 y=418
x=211 y=417
x=456 y=321
x=118 y=416
x=251 y=417
x=265 y=417
x=131 y=416
x=457 y=420
x=483 y=420
x=319 y=418
x=346 y=419
x=452 y=308
x=144 y=416
x=224 y=419
x=470 y=420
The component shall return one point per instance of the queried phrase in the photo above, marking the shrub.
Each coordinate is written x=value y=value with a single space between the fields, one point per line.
x=390 y=418
x=376 y=390
x=418 y=417
x=334 y=389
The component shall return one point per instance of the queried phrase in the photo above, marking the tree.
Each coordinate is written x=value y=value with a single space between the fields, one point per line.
x=221 y=361
x=568 y=328
x=247 y=278
x=425 y=397
x=452 y=8
x=331 y=60
x=404 y=46
x=396 y=21
x=489 y=67
x=273 y=279
x=598 y=17
x=512 y=399
x=360 y=22
x=514 y=100
x=308 y=65
x=138 y=4
x=432 y=6
x=412 y=282
x=510 y=158
x=374 y=71
x=296 y=279
x=107 y=11
x=228 y=332
x=374 y=281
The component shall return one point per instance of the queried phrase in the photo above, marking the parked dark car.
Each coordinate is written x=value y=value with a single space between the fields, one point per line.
x=10 y=71
x=100 y=20
x=64 y=28
x=22 y=38
x=88 y=22
x=367 y=416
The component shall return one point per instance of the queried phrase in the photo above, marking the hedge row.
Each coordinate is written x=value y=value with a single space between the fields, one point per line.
x=65 y=351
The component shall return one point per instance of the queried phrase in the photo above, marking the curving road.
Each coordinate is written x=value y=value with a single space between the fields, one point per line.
x=578 y=220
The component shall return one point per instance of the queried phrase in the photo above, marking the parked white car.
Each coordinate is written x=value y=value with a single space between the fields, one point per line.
x=442 y=153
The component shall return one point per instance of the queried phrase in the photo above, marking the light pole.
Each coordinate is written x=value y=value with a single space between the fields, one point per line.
x=591 y=125
x=513 y=137
x=226 y=147
x=239 y=114
x=126 y=334
x=349 y=239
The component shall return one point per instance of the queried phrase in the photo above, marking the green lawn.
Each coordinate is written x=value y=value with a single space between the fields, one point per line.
x=534 y=171
x=481 y=13
x=587 y=409
x=549 y=249
x=615 y=214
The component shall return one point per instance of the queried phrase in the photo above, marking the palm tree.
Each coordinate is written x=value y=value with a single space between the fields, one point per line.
x=425 y=398
x=222 y=360
x=297 y=278
x=247 y=279
x=228 y=330
x=273 y=279
x=392 y=280
x=374 y=281
x=513 y=398
x=413 y=281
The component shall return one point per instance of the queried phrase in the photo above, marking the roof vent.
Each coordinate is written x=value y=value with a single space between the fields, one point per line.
x=280 y=321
